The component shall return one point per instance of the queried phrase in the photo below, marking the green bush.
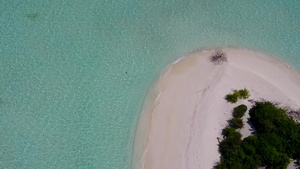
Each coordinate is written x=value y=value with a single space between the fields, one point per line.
x=267 y=119
x=250 y=163
x=249 y=145
x=271 y=158
x=239 y=111
x=276 y=142
x=237 y=94
x=228 y=131
x=236 y=123
x=243 y=94
x=271 y=139
x=230 y=149
x=231 y=141
x=233 y=98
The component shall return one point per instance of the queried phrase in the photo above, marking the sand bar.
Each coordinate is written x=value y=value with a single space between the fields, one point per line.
x=185 y=110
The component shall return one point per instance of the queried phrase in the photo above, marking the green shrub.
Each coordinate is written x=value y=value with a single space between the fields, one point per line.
x=231 y=141
x=269 y=120
x=281 y=160
x=271 y=139
x=237 y=94
x=273 y=159
x=228 y=131
x=250 y=163
x=277 y=140
x=239 y=111
x=249 y=145
x=236 y=123
x=243 y=94
x=233 y=98
x=278 y=135
x=230 y=149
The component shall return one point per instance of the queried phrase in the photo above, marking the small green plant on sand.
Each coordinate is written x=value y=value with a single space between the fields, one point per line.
x=233 y=98
x=243 y=94
x=237 y=94
x=239 y=111
x=236 y=123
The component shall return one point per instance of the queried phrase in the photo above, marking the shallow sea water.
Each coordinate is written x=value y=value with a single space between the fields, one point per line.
x=73 y=74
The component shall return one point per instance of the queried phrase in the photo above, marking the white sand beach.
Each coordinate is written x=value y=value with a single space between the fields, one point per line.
x=185 y=111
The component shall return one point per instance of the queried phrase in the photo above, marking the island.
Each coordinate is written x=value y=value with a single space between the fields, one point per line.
x=186 y=109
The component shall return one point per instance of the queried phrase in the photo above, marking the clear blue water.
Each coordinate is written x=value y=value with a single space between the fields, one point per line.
x=73 y=74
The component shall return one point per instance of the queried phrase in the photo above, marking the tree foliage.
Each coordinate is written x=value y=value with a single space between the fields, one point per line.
x=270 y=120
x=277 y=140
x=230 y=149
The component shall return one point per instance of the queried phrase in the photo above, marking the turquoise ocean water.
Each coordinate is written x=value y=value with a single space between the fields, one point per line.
x=73 y=74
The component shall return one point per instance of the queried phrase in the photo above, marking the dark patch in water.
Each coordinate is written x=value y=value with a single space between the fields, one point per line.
x=32 y=16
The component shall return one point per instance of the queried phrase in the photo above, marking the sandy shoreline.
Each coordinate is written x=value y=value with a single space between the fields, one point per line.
x=185 y=110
